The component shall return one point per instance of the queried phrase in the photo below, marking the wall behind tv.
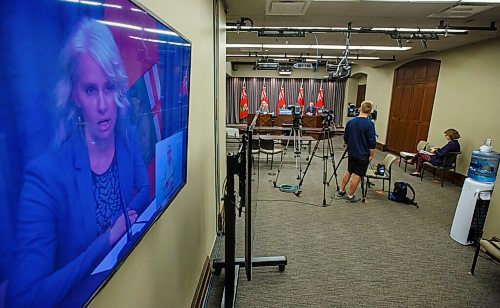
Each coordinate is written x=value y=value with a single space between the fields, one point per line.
x=164 y=269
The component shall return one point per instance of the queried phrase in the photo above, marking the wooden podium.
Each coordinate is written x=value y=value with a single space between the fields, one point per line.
x=280 y=119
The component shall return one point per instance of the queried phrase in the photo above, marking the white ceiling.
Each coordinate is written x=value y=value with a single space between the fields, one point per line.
x=362 y=14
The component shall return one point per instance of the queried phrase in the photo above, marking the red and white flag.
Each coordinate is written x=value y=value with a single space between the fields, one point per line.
x=320 y=102
x=263 y=96
x=300 y=99
x=281 y=99
x=243 y=103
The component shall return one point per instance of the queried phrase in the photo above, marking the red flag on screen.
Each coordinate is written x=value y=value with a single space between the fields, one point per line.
x=281 y=99
x=243 y=103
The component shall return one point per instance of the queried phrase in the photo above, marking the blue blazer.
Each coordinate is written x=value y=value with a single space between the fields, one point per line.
x=451 y=146
x=57 y=240
x=311 y=110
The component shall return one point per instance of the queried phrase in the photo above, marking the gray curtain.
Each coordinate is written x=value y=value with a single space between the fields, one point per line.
x=333 y=94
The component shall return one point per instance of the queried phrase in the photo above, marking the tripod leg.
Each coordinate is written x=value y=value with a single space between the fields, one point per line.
x=308 y=164
x=331 y=152
x=281 y=162
x=325 y=173
x=338 y=165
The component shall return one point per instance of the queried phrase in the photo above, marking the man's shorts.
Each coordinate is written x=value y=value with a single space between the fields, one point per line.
x=357 y=166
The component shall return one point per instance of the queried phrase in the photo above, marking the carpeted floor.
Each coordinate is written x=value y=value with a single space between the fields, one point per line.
x=376 y=254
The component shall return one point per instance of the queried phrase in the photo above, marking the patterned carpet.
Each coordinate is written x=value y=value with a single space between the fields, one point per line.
x=376 y=254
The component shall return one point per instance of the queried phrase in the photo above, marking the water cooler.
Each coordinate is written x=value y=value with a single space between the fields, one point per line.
x=474 y=199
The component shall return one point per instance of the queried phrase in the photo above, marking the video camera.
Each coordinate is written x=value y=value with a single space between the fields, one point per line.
x=342 y=72
x=296 y=113
x=296 y=110
x=352 y=110
x=326 y=117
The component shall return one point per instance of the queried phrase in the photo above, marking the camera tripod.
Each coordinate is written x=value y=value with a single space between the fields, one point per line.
x=327 y=154
x=296 y=136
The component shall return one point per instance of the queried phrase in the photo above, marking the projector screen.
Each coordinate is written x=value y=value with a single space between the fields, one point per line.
x=93 y=142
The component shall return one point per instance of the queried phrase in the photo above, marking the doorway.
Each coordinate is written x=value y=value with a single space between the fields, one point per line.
x=412 y=101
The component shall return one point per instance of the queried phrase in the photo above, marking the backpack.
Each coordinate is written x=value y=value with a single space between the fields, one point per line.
x=399 y=194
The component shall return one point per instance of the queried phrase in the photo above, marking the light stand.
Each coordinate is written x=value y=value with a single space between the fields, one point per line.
x=240 y=164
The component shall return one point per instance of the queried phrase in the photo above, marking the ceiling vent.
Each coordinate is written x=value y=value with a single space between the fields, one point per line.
x=463 y=10
x=287 y=7
x=303 y=65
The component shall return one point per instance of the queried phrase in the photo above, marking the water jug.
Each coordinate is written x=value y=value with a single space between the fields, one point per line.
x=483 y=166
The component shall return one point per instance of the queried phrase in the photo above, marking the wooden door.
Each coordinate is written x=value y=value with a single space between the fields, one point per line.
x=411 y=104
x=360 y=97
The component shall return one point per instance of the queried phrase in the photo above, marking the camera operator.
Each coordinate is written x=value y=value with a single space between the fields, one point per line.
x=360 y=140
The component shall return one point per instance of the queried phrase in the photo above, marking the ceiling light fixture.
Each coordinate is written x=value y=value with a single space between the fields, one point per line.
x=323 y=47
x=278 y=57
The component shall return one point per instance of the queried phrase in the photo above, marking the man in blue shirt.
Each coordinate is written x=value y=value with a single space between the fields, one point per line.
x=360 y=140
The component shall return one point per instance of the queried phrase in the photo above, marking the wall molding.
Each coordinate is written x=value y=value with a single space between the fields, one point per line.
x=202 y=288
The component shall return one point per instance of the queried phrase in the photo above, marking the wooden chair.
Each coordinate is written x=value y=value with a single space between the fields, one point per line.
x=370 y=175
x=491 y=249
x=449 y=163
x=404 y=156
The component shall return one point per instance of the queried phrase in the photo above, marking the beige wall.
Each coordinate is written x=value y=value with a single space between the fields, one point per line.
x=378 y=90
x=164 y=269
x=466 y=98
x=222 y=99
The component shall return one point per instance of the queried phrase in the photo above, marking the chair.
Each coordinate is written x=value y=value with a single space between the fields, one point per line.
x=491 y=249
x=404 y=156
x=370 y=174
x=267 y=147
x=449 y=163
x=255 y=149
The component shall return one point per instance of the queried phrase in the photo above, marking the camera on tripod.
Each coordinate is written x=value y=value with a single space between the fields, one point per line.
x=296 y=114
x=326 y=117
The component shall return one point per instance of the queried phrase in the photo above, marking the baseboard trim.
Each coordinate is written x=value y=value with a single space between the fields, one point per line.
x=203 y=284
x=381 y=147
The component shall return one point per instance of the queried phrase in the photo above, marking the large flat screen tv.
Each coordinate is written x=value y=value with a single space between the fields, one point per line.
x=93 y=141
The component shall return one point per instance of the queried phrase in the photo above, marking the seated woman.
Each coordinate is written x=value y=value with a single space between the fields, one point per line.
x=451 y=136
x=264 y=107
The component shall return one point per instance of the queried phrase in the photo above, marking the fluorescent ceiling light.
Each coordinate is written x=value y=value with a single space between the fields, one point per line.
x=413 y=1
x=171 y=33
x=480 y=1
x=147 y=40
x=300 y=56
x=416 y=30
x=157 y=41
x=328 y=47
x=416 y=1
x=120 y=25
x=327 y=29
x=95 y=3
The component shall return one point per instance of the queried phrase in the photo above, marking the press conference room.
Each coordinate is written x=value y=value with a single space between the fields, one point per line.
x=205 y=153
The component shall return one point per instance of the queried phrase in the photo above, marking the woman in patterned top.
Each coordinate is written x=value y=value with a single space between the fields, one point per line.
x=75 y=196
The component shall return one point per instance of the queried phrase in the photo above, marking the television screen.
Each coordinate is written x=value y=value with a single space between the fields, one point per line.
x=93 y=141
